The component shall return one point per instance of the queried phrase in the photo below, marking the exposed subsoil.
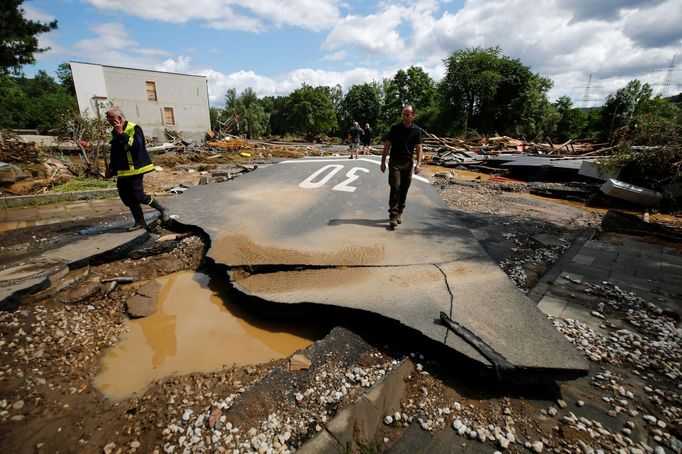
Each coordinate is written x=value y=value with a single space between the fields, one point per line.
x=50 y=348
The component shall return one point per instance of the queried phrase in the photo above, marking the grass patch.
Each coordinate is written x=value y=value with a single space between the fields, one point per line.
x=83 y=184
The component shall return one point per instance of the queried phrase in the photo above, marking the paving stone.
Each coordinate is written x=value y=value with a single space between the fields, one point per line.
x=582 y=259
x=648 y=273
x=604 y=264
x=552 y=305
x=628 y=257
x=609 y=247
x=648 y=248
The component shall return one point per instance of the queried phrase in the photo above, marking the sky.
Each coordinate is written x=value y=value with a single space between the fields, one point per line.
x=275 y=46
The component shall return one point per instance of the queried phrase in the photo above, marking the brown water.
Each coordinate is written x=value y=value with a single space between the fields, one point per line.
x=193 y=330
x=20 y=217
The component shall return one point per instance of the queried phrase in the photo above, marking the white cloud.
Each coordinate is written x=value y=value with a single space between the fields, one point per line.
x=219 y=83
x=244 y=15
x=613 y=40
x=336 y=56
x=112 y=46
x=656 y=27
x=33 y=13
x=565 y=41
x=605 y=10
x=376 y=33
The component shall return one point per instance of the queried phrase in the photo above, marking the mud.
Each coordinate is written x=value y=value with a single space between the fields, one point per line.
x=51 y=349
x=191 y=331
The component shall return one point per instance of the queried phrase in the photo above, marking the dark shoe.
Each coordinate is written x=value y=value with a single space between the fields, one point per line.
x=161 y=209
x=350 y=157
x=136 y=226
x=138 y=215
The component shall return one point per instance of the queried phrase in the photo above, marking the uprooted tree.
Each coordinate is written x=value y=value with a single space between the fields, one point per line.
x=90 y=134
x=648 y=132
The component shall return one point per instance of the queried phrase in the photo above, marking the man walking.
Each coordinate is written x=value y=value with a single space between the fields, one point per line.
x=367 y=138
x=354 y=135
x=129 y=161
x=402 y=140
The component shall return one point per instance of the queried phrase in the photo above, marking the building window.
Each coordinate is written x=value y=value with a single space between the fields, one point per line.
x=168 y=116
x=151 y=91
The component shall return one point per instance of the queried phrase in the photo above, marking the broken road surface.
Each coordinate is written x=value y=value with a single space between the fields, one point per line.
x=316 y=231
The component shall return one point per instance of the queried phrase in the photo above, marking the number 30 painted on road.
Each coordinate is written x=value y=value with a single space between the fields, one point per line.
x=351 y=176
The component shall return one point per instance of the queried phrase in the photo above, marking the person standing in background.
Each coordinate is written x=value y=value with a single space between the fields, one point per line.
x=367 y=138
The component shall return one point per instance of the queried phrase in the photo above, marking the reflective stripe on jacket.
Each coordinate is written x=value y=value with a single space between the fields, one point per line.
x=130 y=158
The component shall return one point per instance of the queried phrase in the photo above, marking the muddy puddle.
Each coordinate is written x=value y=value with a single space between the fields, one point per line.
x=21 y=217
x=194 y=329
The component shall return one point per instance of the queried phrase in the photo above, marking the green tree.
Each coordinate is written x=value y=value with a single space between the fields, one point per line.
x=362 y=103
x=492 y=93
x=47 y=100
x=414 y=87
x=248 y=115
x=65 y=77
x=213 y=113
x=277 y=109
x=311 y=111
x=13 y=103
x=34 y=102
x=572 y=121
x=633 y=116
x=18 y=37
x=622 y=109
x=470 y=82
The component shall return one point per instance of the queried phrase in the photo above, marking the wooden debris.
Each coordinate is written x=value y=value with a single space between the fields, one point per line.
x=120 y=280
x=111 y=288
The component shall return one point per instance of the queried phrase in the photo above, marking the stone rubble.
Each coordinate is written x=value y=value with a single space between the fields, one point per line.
x=280 y=433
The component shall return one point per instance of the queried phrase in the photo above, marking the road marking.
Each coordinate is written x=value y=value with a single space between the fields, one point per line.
x=345 y=160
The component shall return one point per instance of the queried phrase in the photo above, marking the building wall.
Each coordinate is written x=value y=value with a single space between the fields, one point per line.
x=89 y=82
x=126 y=88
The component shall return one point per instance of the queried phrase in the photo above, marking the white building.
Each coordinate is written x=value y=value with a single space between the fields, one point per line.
x=154 y=100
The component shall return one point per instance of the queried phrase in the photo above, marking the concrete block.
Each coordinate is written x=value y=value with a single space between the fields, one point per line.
x=322 y=442
x=551 y=305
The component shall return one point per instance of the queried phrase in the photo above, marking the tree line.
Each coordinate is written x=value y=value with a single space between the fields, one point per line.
x=482 y=92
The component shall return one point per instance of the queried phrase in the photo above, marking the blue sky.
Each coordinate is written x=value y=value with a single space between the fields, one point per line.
x=274 y=46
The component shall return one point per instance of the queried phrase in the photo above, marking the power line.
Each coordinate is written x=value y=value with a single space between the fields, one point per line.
x=668 y=79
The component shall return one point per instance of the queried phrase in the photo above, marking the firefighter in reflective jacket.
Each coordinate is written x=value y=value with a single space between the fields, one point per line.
x=129 y=161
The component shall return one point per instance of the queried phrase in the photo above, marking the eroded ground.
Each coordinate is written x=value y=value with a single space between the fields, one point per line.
x=51 y=350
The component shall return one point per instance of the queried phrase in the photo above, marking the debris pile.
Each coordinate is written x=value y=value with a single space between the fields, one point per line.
x=230 y=143
x=504 y=144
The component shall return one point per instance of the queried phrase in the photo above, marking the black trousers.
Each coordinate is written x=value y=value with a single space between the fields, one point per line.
x=131 y=191
x=399 y=180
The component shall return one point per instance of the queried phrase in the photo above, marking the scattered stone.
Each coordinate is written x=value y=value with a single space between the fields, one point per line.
x=538 y=446
x=298 y=362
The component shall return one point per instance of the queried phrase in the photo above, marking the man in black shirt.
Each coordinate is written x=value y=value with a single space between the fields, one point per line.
x=354 y=135
x=402 y=140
